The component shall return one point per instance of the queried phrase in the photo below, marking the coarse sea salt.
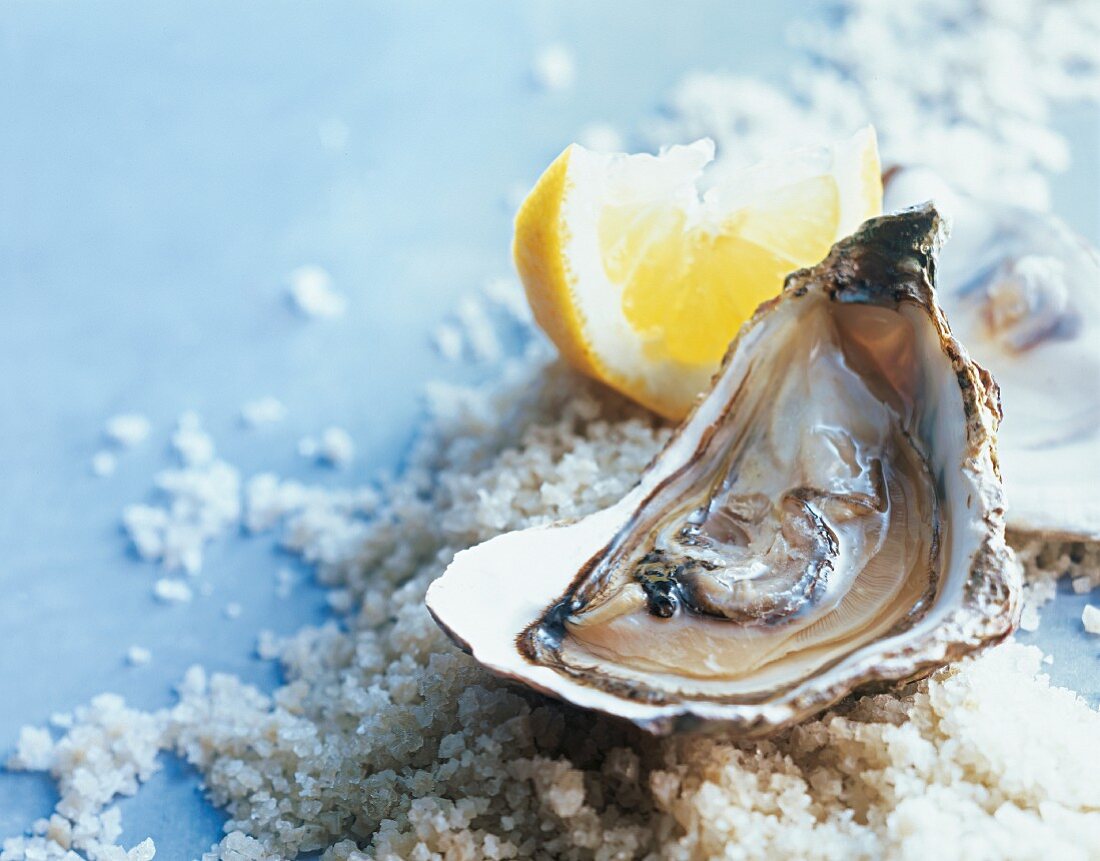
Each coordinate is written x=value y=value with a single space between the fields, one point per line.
x=196 y=502
x=313 y=295
x=172 y=591
x=1090 y=618
x=554 y=68
x=138 y=656
x=127 y=429
x=263 y=411
x=335 y=447
x=104 y=463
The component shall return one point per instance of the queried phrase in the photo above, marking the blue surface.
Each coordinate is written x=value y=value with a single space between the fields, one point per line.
x=160 y=173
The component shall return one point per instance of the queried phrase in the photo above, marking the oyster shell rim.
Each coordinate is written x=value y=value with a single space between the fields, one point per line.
x=988 y=609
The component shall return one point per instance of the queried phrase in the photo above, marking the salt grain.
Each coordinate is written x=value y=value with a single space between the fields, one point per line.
x=448 y=342
x=104 y=464
x=172 y=591
x=312 y=293
x=138 y=656
x=336 y=447
x=127 y=430
x=1090 y=618
x=284 y=582
x=232 y=610
x=194 y=446
x=263 y=411
x=554 y=68
x=1081 y=585
x=197 y=503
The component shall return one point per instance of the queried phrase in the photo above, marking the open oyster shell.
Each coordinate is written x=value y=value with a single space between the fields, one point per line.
x=1022 y=292
x=829 y=516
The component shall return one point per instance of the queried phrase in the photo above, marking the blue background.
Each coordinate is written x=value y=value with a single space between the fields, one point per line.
x=161 y=171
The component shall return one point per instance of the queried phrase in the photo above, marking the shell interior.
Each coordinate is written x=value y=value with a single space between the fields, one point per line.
x=829 y=516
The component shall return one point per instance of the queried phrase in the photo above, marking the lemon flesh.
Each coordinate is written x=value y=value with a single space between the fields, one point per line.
x=642 y=282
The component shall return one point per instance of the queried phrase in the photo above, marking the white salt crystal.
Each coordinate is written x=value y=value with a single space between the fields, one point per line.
x=447 y=339
x=554 y=68
x=194 y=446
x=127 y=429
x=313 y=295
x=144 y=851
x=263 y=411
x=1090 y=618
x=138 y=656
x=284 y=582
x=201 y=503
x=478 y=329
x=1029 y=618
x=34 y=750
x=1081 y=585
x=103 y=463
x=335 y=447
x=172 y=591
x=268 y=645
x=232 y=610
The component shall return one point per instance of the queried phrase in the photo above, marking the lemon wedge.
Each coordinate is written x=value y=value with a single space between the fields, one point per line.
x=642 y=281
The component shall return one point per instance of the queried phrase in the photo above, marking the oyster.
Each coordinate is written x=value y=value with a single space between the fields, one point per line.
x=1022 y=292
x=829 y=516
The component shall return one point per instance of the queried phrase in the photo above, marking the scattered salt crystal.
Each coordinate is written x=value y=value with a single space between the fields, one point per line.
x=554 y=68
x=1090 y=618
x=138 y=656
x=194 y=446
x=601 y=137
x=1029 y=618
x=478 y=329
x=339 y=600
x=307 y=447
x=268 y=645
x=284 y=582
x=448 y=342
x=34 y=751
x=335 y=447
x=334 y=134
x=1048 y=659
x=313 y=295
x=127 y=429
x=232 y=610
x=104 y=463
x=1082 y=584
x=263 y=411
x=201 y=502
x=172 y=591
x=144 y=851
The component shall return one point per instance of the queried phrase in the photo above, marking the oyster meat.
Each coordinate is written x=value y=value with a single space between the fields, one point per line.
x=829 y=516
x=1022 y=291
